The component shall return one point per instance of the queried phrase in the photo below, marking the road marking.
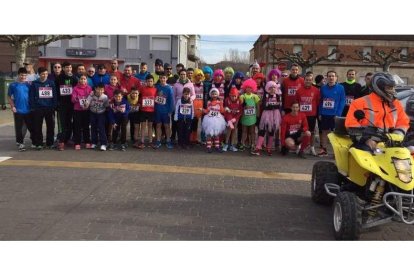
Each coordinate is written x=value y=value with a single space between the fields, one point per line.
x=160 y=168
x=4 y=158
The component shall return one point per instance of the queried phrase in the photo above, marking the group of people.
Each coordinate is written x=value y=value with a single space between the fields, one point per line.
x=222 y=109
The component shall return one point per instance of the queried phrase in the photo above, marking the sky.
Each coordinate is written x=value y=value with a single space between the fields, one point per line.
x=213 y=47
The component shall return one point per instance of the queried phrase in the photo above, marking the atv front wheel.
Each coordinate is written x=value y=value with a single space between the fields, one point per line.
x=323 y=172
x=347 y=218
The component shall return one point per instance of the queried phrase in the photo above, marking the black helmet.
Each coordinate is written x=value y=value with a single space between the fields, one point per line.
x=379 y=81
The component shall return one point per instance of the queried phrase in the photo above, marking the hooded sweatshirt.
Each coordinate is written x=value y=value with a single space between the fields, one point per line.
x=79 y=96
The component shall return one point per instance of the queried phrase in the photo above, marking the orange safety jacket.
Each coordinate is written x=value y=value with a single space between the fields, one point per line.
x=378 y=113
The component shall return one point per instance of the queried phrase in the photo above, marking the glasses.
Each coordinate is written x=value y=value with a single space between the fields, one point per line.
x=284 y=75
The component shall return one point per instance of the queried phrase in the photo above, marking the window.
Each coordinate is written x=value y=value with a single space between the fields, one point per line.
x=75 y=42
x=160 y=43
x=297 y=48
x=330 y=49
x=366 y=52
x=55 y=44
x=132 y=42
x=103 y=41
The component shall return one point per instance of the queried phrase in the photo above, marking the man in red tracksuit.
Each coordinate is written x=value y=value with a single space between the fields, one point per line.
x=290 y=85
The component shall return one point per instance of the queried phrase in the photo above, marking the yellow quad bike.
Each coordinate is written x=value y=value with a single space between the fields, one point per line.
x=367 y=189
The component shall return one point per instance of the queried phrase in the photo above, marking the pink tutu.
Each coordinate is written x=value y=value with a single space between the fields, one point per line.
x=270 y=120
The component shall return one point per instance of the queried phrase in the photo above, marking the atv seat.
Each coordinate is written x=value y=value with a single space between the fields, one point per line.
x=340 y=128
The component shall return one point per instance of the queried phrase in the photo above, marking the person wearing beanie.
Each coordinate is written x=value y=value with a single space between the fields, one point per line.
x=251 y=110
x=233 y=110
x=289 y=87
x=214 y=124
x=255 y=68
x=270 y=117
x=237 y=80
x=218 y=82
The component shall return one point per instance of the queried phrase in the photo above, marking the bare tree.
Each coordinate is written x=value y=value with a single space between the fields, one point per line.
x=306 y=62
x=234 y=55
x=22 y=42
x=381 y=57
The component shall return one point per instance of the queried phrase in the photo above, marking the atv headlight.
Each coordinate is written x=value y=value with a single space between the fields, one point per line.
x=403 y=168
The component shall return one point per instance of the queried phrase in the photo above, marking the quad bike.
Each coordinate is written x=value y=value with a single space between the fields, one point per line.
x=366 y=188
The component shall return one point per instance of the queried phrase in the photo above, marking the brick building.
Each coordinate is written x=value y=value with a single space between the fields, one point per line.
x=347 y=44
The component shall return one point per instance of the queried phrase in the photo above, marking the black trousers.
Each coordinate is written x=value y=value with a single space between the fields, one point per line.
x=121 y=126
x=81 y=124
x=47 y=114
x=184 y=131
x=19 y=121
x=65 y=125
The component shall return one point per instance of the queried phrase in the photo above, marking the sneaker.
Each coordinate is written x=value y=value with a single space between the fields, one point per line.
x=301 y=154
x=157 y=145
x=219 y=150
x=255 y=152
x=103 y=147
x=88 y=146
x=93 y=146
x=209 y=150
x=170 y=145
x=77 y=147
x=33 y=146
x=241 y=148
x=269 y=151
x=225 y=147
x=123 y=147
x=322 y=153
x=22 y=147
x=61 y=146
x=312 y=151
x=39 y=147
x=111 y=146
x=233 y=148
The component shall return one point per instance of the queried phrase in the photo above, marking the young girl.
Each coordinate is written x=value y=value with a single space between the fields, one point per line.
x=134 y=112
x=213 y=122
x=250 y=103
x=218 y=83
x=81 y=115
x=271 y=118
x=233 y=111
x=260 y=90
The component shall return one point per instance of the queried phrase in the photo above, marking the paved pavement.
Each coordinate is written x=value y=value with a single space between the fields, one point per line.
x=161 y=195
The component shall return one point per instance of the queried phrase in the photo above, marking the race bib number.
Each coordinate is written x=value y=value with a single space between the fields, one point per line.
x=199 y=96
x=349 y=100
x=185 y=109
x=161 y=100
x=272 y=102
x=147 y=102
x=65 y=90
x=250 y=111
x=134 y=108
x=45 y=92
x=291 y=91
x=83 y=103
x=213 y=113
x=306 y=107
x=328 y=103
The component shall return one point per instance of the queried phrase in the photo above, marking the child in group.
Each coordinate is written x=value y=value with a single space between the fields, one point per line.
x=184 y=114
x=81 y=115
x=118 y=118
x=237 y=80
x=271 y=118
x=147 y=110
x=251 y=110
x=260 y=80
x=164 y=107
x=133 y=115
x=213 y=122
x=218 y=82
x=233 y=111
x=97 y=103
x=198 y=103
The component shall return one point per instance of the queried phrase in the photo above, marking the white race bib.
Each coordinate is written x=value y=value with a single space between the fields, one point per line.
x=291 y=91
x=147 y=102
x=161 y=100
x=83 y=103
x=213 y=113
x=328 y=103
x=65 y=90
x=185 y=109
x=250 y=111
x=349 y=100
x=199 y=96
x=45 y=92
x=134 y=108
x=306 y=107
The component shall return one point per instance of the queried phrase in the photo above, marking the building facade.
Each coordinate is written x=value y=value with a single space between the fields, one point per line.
x=346 y=44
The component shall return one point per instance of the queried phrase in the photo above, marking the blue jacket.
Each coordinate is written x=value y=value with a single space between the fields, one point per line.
x=97 y=79
x=115 y=115
x=142 y=76
x=332 y=100
x=40 y=94
x=167 y=92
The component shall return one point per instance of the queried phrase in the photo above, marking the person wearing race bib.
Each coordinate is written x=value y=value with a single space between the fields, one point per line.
x=81 y=113
x=97 y=103
x=259 y=78
x=233 y=110
x=65 y=83
x=213 y=123
x=133 y=115
x=198 y=103
x=18 y=97
x=164 y=106
x=294 y=131
x=271 y=118
x=228 y=79
x=352 y=90
x=218 y=83
x=43 y=102
x=251 y=110
x=289 y=87
x=308 y=98
x=237 y=80
x=118 y=118
x=275 y=75
x=184 y=114
x=147 y=110
x=128 y=80
x=332 y=104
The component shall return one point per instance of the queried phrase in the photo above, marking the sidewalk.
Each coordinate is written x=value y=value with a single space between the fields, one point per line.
x=6 y=117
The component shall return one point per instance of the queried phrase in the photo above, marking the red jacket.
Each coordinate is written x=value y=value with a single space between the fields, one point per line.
x=308 y=99
x=236 y=109
x=129 y=82
x=292 y=124
x=289 y=88
x=147 y=98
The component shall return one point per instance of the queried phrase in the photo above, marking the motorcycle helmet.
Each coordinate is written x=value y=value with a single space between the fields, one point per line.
x=379 y=82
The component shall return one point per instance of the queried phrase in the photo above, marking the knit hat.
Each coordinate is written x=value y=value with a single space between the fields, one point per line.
x=218 y=72
x=258 y=76
x=214 y=90
x=198 y=71
x=234 y=92
x=249 y=83
x=208 y=70
x=274 y=72
x=238 y=75
x=228 y=69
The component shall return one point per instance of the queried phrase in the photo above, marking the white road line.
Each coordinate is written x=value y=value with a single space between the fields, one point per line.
x=4 y=158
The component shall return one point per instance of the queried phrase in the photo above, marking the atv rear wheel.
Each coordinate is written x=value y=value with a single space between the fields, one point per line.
x=347 y=216
x=323 y=172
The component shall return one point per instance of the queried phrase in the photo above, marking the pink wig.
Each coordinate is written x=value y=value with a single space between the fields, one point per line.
x=273 y=72
x=249 y=83
x=270 y=84
x=218 y=72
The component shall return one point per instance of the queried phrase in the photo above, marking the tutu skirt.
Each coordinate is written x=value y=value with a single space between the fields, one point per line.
x=213 y=126
x=270 y=120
